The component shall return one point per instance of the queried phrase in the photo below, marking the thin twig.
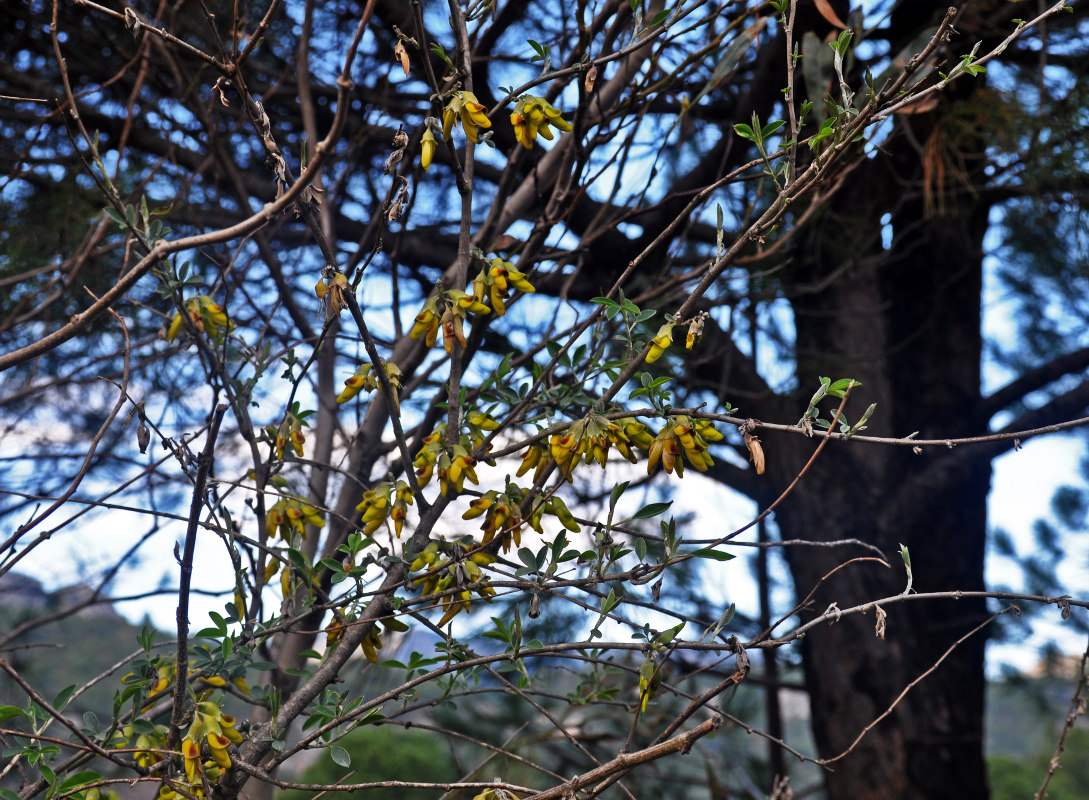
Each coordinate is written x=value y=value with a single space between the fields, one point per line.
x=204 y=469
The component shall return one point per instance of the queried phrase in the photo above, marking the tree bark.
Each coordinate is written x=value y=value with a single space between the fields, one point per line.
x=906 y=322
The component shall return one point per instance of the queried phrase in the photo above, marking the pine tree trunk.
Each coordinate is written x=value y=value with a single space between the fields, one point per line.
x=906 y=322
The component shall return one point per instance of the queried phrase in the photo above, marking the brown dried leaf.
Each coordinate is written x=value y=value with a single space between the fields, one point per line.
x=825 y=10
x=741 y=658
x=400 y=54
x=756 y=452
x=506 y=242
x=928 y=103
x=591 y=76
x=880 y=626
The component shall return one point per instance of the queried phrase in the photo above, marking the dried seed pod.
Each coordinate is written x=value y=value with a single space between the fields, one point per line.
x=401 y=55
x=756 y=452
x=591 y=77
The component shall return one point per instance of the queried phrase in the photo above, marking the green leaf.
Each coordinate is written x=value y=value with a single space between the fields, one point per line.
x=730 y=56
x=771 y=128
x=618 y=490
x=744 y=131
x=298 y=560
x=652 y=510
x=62 y=698
x=714 y=555
x=80 y=778
x=660 y=17
x=340 y=756
x=143 y=726
x=438 y=50
x=610 y=602
x=7 y=712
x=542 y=50
x=8 y=794
x=641 y=548
x=528 y=558
x=839 y=388
x=91 y=723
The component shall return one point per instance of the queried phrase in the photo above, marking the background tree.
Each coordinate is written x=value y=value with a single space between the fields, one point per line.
x=797 y=191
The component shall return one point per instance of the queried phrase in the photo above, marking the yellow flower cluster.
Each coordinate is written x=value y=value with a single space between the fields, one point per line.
x=450 y=309
x=683 y=435
x=466 y=109
x=206 y=315
x=330 y=289
x=289 y=432
x=151 y=745
x=290 y=515
x=494 y=283
x=454 y=464
x=371 y=643
x=165 y=673
x=590 y=438
x=447 y=567
x=365 y=379
x=496 y=794
x=502 y=512
x=213 y=729
x=533 y=115
x=456 y=306
x=664 y=338
x=385 y=501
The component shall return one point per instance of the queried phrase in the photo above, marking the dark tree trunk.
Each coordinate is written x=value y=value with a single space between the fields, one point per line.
x=906 y=322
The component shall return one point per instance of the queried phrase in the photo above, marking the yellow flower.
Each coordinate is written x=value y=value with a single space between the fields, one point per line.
x=289 y=515
x=217 y=744
x=354 y=384
x=289 y=433
x=205 y=315
x=331 y=290
x=426 y=323
x=191 y=752
x=427 y=148
x=660 y=343
x=533 y=115
x=464 y=107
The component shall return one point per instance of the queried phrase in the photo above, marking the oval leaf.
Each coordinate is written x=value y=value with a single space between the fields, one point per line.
x=340 y=756
x=714 y=555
